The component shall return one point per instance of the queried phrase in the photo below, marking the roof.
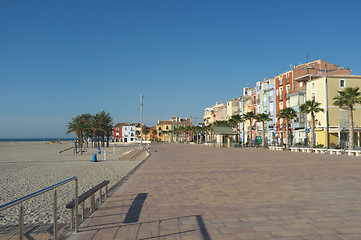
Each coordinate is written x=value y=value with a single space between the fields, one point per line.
x=223 y=131
x=120 y=125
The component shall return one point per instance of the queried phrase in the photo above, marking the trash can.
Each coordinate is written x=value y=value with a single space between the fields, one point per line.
x=94 y=158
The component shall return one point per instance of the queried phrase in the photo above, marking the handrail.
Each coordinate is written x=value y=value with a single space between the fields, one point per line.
x=20 y=200
x=81 y=200
x=21 y=210
x=87 y=194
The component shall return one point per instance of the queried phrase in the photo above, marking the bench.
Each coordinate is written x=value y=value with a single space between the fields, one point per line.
x=353 y=152
x=278 y=148
x=320 y=150
x=336 y=151
x=308 y=150
x=90 y=193
x=294 y=149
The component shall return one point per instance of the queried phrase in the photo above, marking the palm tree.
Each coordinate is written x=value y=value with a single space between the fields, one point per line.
x=94 y=127
x=249 y=116
x=263 y=118
x=154 y=132
x=311 y=107
x=76 y=126
x=287 y=114
x=347 y=99
x=104 y=123
x=145 y=132
x=234 y=122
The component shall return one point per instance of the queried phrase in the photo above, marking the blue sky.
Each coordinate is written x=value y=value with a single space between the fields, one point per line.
x=59 y=59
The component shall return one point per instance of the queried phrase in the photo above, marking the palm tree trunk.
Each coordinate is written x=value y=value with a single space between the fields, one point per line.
x=263 y=136
x=351 y=143
x=287 y=135
x=250 y=133
x=312 y=130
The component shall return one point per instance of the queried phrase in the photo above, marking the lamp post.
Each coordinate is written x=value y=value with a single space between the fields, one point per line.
x=141 y=120
x=326 y=100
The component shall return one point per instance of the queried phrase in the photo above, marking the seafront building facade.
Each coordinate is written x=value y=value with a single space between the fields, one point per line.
x=293 y=88
x=166 y=130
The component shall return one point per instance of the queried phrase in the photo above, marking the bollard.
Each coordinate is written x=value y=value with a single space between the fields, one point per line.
x=105 y=155
x=94 y=158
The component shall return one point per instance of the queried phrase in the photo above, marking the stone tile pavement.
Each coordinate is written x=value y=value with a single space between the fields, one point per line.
x=199 y=192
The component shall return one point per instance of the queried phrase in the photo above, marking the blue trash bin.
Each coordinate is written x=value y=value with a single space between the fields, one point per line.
x=95 y=158
x=99 y=152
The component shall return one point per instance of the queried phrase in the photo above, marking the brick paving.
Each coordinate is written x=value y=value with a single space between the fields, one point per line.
x=199 y=192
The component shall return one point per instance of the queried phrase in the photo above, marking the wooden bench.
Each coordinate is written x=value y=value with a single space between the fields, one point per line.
x=353 y=152
x=278 y=148
x=90 y=193
x=335 y=151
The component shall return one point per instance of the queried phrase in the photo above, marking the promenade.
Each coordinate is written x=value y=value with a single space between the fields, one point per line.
x=198 y=192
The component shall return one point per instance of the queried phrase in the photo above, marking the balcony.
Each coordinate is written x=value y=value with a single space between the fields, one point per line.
x=298 y=125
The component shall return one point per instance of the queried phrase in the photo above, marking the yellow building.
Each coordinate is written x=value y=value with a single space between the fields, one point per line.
x=163 y=130
x=338 y=118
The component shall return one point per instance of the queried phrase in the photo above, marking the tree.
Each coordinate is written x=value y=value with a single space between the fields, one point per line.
x=76 y=125
x=103 y=123
x=263 y=118
x=249 y=116
x=154 y=133
x=347 y=99
x=234 y=122
x=145 y=132
x=311 y=107
x=287 y=114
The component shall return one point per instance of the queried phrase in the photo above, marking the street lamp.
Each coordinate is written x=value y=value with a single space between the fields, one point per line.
x=326 y=99
x=141 y=120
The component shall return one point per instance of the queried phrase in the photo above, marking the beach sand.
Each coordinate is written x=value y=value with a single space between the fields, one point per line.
x=26 y=167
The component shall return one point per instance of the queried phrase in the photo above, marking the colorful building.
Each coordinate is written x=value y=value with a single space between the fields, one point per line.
x=338 y=117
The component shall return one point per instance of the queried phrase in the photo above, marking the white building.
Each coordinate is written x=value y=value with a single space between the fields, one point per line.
x=128 y=133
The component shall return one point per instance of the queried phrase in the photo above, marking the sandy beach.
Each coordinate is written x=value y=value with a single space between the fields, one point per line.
x=26 y=167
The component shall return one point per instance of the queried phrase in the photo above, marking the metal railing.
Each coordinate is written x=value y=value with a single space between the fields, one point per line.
x=81 y=200
x=42 y=191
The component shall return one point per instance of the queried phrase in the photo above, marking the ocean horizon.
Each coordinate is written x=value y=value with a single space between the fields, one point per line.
x=35 y=139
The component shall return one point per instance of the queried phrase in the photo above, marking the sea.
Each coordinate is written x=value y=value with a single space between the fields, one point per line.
x=35 y=139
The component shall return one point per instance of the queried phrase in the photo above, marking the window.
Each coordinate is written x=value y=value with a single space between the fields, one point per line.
x=281 y=105
x=313 y=86
x=160 y=129
x=281 y=93
x=288 y=91
x=313 y=96
x=287 y=77
x=301 y=99
x=302 y=117
x=271 y=96
x=288 y=103
x=342 y=83
x=167 y=127
x=271 y=109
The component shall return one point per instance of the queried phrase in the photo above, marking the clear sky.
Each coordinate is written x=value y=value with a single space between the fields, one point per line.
x=62 y=58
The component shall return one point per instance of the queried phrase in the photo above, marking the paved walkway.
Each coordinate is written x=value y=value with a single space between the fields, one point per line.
x=199 y=192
